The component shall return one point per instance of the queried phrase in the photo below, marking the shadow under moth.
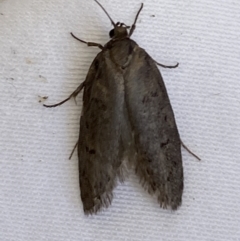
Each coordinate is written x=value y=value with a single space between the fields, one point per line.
x=126 y=121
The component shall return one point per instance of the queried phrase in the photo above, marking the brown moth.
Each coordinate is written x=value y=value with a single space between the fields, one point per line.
x=126 y=118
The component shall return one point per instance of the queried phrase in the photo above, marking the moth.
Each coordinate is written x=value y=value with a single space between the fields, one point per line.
x=126 y=121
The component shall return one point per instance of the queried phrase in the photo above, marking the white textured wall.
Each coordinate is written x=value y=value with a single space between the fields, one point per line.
x=39 y=191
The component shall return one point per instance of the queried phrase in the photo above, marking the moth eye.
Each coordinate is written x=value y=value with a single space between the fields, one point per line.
x=111 y=33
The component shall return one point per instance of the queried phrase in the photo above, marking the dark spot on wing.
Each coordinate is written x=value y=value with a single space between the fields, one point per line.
x=163 y=144
x=92 y=151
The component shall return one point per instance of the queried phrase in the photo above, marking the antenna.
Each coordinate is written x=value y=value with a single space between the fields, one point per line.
x=105 y=12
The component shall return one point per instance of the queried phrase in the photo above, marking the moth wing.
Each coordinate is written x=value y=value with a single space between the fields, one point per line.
x=158 y=160
x=100 y=146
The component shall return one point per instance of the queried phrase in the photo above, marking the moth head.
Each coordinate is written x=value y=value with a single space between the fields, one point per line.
x=119 y=31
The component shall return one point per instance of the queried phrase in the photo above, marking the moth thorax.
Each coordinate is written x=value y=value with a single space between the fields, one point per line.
x=120 y=31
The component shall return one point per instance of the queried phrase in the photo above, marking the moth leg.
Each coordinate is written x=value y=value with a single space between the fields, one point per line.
x=74 y=148
x=74 y=95
x=88 y=43
x=167 y=66
x=134 y=24
x=188 y=150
